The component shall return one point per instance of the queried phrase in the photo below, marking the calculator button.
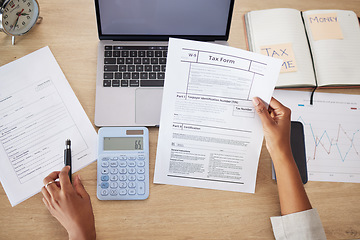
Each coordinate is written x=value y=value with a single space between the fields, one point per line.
x=132 y=170
x=114 y=171
x=104 y=185
x=122 y=164
x=132 y=192
x=122 y=191
x=104 y=178
x=122 y=177
x=132 y=157
x=122 y=184
x=141 y=177
x=132 y=184
x=123 y=170
x=141 y=157
x=115 y=158
x=141 y=188
x=123 y=157
x=113 y=192
x=141 y=170
x=113 y=164
x=131 y=164
x=105 y=171
x=132 y=177
x=104 y=192
x=141 y=163
x=113 y=184
x=105 y=164
x=113 y=177
x=105 y=158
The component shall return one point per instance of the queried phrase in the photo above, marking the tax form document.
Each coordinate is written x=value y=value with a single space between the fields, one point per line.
x=210 y=135
x=38 y=112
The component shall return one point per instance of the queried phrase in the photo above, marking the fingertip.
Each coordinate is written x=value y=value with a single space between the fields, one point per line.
x=51 y=177
x=77 y=179
x=262 y=110
x=64 y=177
x=274 y=103
x=65 y=169
x=256 y=101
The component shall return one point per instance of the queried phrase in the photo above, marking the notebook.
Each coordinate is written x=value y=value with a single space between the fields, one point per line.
x=132 y=52
x=320 y=48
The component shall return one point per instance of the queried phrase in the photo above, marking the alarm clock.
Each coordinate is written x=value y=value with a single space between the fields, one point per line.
x=18 y=16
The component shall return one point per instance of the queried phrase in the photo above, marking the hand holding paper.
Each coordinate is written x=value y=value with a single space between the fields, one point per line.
x=210 y=135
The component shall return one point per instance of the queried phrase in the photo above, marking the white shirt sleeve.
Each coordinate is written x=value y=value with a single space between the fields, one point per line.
x=300 y=225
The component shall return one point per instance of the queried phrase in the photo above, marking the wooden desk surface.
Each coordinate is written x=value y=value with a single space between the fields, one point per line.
x=171 y=212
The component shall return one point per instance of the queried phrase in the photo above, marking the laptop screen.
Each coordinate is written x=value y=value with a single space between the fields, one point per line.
x=161 y=19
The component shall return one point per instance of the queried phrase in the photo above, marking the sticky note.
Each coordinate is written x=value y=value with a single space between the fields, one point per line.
x=284 y=52
x=325 y=26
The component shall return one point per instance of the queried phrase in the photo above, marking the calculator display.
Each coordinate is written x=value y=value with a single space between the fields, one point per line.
x=123 y=143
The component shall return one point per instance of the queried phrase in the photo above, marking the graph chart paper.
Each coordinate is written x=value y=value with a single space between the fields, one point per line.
x=332 y=133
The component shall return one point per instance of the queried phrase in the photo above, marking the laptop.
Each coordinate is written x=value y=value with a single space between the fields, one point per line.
x=132 y=52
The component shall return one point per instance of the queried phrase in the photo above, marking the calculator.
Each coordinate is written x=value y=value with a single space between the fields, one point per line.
x=123 y=163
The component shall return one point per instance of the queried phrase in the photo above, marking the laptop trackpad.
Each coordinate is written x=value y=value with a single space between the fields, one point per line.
x=148 y=106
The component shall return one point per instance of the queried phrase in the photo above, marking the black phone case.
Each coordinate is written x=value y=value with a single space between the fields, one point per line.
x=297 y=141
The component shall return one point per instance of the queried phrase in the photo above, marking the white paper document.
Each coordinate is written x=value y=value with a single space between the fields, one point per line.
x=332 y=133
x=38 y=112
x=210 y=135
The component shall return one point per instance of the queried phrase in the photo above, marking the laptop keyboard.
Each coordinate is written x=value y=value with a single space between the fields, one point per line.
x=134 y=66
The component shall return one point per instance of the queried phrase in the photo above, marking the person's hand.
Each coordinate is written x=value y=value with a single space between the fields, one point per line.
x=276 y=124
x=69 y=204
